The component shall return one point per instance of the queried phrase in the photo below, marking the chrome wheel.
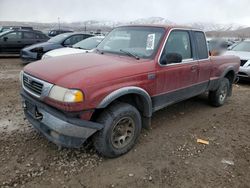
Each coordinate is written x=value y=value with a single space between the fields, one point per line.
x=223 y=94
x=123 y=132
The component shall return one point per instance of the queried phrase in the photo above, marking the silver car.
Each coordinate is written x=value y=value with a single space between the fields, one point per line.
x=242 y=50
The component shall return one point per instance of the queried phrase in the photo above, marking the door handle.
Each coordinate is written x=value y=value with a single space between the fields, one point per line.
x=194 y=68
x=19 y=41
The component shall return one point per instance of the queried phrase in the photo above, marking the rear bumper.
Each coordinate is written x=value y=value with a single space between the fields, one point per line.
x=55 y=126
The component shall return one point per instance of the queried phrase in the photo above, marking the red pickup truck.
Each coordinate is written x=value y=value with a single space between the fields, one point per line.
x=107 y=96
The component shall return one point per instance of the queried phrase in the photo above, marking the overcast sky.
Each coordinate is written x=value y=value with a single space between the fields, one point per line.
x=179 y=11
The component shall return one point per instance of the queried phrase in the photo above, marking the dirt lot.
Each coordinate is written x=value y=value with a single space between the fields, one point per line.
x=166 y=156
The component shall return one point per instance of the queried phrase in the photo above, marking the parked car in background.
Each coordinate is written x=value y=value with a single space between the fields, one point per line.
x=7 y=28
x=84 y=46
x=13 y=41
x=55 y=32
x=218 y=46
x=242 y=50
x=107 y=96
x=35 y=52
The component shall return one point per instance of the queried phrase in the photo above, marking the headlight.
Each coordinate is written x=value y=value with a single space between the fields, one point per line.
x=45 y=56
x=66 y=95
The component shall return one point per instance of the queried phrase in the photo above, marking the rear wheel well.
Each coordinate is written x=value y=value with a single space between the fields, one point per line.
x=230 y=76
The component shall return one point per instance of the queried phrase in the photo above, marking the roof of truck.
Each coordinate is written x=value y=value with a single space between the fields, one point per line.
x=160 y=25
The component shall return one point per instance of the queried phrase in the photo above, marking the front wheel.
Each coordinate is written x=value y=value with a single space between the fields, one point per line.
x=122 y=127
x=219 y=96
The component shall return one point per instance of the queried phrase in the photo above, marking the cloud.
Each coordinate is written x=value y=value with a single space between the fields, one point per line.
x=180 y=11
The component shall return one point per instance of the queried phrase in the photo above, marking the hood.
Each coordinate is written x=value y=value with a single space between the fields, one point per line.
x=64 y=51
x=45 y=45
x=242 y=55
x=73 y=71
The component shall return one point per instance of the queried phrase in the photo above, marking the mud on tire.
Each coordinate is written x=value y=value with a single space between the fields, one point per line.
x=122 y=127
x=218 y=97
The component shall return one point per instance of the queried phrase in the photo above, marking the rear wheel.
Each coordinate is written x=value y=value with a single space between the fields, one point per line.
x=219 y=96
x=122 y=127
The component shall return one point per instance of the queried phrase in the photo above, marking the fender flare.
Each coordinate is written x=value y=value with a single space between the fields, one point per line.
x=147 y=103
x=214 y=84
x=227 y=71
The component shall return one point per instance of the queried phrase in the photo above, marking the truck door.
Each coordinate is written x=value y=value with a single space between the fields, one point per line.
x=205 y=65
x=176 y=81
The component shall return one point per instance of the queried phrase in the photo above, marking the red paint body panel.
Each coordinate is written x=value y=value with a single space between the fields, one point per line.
x=97 y=75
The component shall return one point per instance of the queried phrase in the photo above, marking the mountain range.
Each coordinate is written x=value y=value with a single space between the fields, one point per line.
x=107 y=25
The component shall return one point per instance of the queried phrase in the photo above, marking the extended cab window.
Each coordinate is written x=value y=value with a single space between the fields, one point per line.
x=178 y=42
x=201 y=45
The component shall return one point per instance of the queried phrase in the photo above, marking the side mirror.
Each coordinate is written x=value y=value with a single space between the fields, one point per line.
x=5 y=39
x=171 y=58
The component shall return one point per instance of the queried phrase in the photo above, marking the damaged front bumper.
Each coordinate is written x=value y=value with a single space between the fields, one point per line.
x=55 y=125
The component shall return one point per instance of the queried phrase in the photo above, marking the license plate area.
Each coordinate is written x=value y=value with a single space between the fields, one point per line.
x=31 y=109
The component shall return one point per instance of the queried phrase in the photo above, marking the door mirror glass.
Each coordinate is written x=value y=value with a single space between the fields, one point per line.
x=171 y=58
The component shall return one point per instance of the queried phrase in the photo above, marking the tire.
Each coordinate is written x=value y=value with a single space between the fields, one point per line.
x=122 y=127
x=218 y=97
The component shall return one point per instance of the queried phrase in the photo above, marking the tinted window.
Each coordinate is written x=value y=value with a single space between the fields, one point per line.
x=74 y=39
x=201 y=45
x=14 y=35
x=40 y=36
x=28 y=35
x=179 y=42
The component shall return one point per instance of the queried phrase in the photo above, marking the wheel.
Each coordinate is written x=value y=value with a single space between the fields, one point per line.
x=219 y=96
x=122 y=127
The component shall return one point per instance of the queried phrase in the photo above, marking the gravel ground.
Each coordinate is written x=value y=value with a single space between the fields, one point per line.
x=166 y=156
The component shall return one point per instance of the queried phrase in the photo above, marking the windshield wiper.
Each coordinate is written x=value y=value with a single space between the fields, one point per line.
x=99 y=51
x=130 y=54
x=78 y=47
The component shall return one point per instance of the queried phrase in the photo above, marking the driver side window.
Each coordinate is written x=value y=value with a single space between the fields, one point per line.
x=178 y=42
x=14 y=35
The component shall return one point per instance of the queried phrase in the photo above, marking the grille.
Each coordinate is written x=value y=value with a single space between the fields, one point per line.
x=242 y=62
x=32 y=85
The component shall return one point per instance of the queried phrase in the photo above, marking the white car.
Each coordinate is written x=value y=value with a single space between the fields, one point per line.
x=242 y=50
x=84 y=46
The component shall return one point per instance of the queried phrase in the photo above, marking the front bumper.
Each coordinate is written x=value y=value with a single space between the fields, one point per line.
x=55 y=125
x=28 y=56
x=244 y=72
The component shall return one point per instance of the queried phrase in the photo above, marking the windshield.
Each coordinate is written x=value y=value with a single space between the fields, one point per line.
x=141 y=42
x=89 y=43
x=59 y=38
x=243 y=46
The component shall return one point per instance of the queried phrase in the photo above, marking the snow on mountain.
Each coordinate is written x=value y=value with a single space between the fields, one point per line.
x=153 y=20
x=108 y=24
